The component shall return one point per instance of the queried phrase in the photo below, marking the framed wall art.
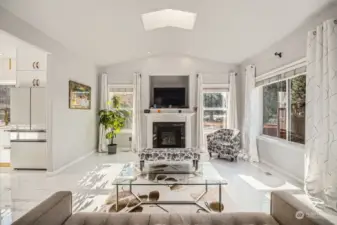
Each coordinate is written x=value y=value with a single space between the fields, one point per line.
x=79 y=96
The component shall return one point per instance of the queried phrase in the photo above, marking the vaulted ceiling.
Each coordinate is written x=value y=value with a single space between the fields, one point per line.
x=111 y=31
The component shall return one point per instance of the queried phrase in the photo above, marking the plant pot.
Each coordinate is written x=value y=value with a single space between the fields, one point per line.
x=112 y=149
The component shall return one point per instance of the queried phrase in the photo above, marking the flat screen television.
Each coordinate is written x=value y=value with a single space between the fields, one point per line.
x=166 y=97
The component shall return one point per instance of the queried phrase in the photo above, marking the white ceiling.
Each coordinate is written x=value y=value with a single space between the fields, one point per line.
x=111 y=31
x=8 y=45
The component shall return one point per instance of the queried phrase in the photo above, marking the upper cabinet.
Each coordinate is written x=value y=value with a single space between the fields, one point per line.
x=31 y=59
x=31 y=78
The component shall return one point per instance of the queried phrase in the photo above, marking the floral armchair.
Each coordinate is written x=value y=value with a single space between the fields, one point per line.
x=225 y=142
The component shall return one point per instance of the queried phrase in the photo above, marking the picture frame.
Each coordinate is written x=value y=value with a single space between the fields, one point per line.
x=79 y=96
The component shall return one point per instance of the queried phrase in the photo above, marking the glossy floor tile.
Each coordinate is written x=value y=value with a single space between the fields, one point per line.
x=90 y=181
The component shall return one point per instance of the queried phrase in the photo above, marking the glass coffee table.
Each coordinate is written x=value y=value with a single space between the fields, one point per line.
x=169 y=179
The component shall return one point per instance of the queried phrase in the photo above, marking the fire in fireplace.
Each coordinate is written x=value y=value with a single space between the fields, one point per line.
x=168 y=135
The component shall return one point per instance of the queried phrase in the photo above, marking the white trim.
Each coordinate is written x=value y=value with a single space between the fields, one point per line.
x=168 y=75
x=281 y=171
x=52 y=173
x=8 y=82
x=289 y=67
x=121 y=86
x=215 y=86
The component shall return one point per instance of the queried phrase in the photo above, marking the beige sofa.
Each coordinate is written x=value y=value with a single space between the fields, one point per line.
x=57 y=210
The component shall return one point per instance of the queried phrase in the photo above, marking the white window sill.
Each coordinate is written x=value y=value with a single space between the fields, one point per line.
x=282 y=142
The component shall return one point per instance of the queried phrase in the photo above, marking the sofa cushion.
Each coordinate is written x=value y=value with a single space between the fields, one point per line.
x=171 y=219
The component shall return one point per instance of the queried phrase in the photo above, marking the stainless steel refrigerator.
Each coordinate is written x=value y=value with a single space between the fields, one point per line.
x=28 y=128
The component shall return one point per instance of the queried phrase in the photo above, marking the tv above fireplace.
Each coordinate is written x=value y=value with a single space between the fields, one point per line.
x=169 y=97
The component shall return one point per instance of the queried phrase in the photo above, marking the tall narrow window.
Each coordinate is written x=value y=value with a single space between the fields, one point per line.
x=275 y=110
x=297 y=109
x=126 y=97
x=215 y=109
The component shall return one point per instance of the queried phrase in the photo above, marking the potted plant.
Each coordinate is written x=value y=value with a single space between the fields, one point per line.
x=113 y=121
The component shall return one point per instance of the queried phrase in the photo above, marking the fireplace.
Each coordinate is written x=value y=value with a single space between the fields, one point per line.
x=168 y=135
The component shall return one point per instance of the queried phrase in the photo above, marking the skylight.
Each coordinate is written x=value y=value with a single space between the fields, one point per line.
x=169 y=18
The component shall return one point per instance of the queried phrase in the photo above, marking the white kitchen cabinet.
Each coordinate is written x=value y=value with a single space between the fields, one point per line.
x=31 y=78
x=20 y=106
x=38 y=108
x=30 y=59
x=5 y=139
x=28 y=155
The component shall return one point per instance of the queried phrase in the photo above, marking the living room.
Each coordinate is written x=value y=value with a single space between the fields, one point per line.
x=181 y=112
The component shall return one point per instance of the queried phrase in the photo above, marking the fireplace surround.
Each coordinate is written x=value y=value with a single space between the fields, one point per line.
x=169 y=135
x=172 y=126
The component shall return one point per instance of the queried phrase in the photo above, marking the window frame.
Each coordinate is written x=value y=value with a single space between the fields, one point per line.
x=214 y=88
x=288 y=103
x=123 y=86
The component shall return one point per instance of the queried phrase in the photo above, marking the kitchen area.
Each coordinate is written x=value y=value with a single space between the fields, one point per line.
x=23 y=76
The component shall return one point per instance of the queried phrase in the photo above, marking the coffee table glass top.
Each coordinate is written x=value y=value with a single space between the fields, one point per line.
x=169 y=173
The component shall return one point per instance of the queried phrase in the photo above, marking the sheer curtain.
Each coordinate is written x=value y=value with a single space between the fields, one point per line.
x=102 y=142
x=252 y=116
x=321 y=115
x=200 y=114
x=232 y=119
x=137 y=114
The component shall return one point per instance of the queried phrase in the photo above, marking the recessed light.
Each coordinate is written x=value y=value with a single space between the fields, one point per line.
x=149 y=53
x=1 y=53
x=169 y=18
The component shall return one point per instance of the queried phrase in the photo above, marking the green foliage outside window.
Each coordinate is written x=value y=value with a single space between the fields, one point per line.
x=113 y=119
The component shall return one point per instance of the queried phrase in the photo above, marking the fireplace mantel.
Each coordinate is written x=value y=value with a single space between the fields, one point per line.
x=168 y=117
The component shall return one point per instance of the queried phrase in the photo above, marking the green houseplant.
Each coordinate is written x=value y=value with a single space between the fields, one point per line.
x=113 y=120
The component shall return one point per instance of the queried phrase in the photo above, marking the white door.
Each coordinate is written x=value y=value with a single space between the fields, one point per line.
x=20 y=106
x=38 y=108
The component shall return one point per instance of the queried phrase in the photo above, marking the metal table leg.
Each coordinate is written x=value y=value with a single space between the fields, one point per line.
x=116 y=197
x=220 y=196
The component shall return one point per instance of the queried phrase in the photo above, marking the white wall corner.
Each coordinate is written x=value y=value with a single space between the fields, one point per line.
x=55 y=172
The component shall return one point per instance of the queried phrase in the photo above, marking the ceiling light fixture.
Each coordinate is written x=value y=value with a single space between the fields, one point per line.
x=169 y=18
x=1 y=53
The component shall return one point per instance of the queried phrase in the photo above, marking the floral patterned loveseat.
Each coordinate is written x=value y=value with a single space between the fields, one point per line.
x=225 y=142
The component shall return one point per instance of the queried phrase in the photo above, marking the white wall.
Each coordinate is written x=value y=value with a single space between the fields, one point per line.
x=166 y=65
x=287 y=157
x=214 y=72
x=71 y=133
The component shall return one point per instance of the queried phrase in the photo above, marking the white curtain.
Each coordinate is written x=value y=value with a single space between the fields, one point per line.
x=321 y=115
x=200 y=114
x=103 y=142
x=232 y=119
x=137 y=114
x=252 y=116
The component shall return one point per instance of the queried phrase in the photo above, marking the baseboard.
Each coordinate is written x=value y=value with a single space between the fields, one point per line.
x=2 y=164
x=70 y=164
x=282 y=171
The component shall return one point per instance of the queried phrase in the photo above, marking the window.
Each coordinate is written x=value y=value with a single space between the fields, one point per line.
x=5 y=103
x=215 y=109
x=284 y=109
x=126 y=96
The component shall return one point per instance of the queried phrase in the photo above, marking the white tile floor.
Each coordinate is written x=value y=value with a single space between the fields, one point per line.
x=249 y=185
